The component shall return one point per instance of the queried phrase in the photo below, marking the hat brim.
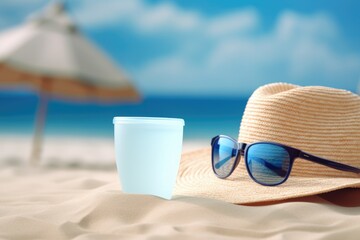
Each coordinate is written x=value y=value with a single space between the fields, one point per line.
x=196 y=178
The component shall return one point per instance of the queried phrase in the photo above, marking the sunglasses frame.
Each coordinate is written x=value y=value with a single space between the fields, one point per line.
x=242 y=149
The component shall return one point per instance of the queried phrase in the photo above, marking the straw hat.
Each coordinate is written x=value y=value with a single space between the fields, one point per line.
x=319 y=120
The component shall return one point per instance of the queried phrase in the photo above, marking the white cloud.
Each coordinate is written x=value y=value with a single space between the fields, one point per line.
x=162 y=17
x=167 y=16
x=94 y=13
x=291 y=25
x=299 y=49
x=234 y=22
x=136 y=13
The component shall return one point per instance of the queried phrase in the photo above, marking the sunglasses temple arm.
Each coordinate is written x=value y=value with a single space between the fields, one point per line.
x=328 y=163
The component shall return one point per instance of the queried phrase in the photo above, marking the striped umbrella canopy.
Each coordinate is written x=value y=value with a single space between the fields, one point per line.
x=49 y=53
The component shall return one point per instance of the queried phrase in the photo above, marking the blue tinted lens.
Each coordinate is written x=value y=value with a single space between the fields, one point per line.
x=268 y=163
x=224 y=152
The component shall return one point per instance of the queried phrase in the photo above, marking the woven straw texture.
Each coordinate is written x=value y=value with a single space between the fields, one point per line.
x=319 y=120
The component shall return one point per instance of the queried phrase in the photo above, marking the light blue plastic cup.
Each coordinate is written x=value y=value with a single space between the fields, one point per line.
x=148 y=152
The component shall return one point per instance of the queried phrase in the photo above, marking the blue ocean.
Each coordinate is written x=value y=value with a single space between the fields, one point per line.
x=204 y=117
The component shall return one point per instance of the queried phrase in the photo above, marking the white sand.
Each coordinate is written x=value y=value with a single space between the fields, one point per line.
x=78 y=204
x=62 y=200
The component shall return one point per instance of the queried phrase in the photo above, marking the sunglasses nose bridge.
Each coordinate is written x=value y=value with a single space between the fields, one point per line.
x=242 y=147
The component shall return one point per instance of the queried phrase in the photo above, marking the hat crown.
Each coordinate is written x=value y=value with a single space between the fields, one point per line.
x=285 y=90
x=319 y=120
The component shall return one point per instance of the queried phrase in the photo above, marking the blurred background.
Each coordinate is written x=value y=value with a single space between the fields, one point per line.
x=197 y=60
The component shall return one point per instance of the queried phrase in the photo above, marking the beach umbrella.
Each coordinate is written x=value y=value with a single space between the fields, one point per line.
x=49 y=53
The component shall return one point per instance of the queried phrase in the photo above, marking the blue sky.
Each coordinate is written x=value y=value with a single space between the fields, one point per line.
x=218 y=48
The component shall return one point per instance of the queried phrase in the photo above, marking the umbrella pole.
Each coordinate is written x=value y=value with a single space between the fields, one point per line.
x=39 y=128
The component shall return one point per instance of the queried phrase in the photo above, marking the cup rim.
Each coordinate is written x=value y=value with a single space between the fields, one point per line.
x=149 y=120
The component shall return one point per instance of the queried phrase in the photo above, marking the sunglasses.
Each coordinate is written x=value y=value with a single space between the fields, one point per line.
x=267 y=163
